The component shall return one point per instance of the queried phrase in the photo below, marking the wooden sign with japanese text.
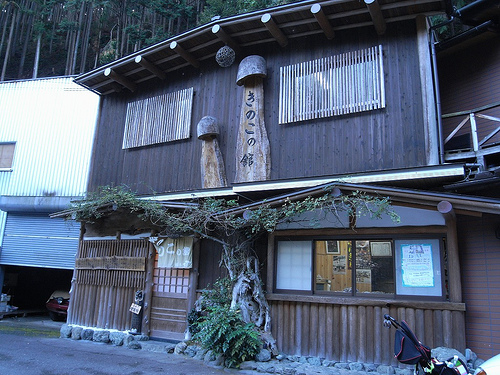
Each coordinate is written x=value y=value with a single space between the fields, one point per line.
x=253 y=155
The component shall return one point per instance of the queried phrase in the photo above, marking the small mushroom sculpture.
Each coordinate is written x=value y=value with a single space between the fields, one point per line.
x=253 y=156
x=213 y=172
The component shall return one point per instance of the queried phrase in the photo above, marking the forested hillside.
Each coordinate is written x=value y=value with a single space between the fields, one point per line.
x=42 y=38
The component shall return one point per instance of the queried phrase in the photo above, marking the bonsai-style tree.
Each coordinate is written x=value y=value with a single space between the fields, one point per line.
x=236 y=227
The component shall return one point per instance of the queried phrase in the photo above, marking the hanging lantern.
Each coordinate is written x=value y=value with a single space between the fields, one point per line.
x=225 y=56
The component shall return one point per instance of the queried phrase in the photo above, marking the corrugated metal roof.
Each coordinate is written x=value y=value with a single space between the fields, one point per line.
x=52 y=122
x=289 y=22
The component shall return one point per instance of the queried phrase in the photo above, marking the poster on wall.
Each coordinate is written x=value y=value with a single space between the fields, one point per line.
x=339 y=264
x=364 y=276
x=416 y=264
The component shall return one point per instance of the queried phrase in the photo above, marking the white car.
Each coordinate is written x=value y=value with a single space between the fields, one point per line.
x=490 y=367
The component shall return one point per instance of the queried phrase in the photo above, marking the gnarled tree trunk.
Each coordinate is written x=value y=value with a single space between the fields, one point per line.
x=248 y=296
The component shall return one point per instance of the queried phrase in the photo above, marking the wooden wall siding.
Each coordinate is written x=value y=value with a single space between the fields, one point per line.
x=210 y=269
x=355 y=332
x=101 y=298
x=480 y=259
x=470 y=78
x=392 y=137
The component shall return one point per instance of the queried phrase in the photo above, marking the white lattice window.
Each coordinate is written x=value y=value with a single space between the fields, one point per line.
x=159 y=119
x=347 y=83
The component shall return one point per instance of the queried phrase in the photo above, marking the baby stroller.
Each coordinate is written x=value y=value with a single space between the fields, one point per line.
x=410 y=351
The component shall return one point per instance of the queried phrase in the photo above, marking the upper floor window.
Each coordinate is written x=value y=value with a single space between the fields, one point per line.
x=336 y=85
x=6 y=155
x=360 y=267
x=159 y=119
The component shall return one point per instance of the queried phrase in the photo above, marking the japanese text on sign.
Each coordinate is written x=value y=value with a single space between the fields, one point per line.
x=250 y=114
x=416 y=263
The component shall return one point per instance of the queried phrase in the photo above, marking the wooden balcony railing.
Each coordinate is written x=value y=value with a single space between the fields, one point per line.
x=482 y=138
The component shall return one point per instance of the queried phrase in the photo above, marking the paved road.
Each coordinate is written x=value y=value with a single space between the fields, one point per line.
x=36 y=350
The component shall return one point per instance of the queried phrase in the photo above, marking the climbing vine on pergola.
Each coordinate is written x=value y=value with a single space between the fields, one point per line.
x=236 y=227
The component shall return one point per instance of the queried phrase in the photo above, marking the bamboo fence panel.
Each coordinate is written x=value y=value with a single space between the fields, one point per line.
x=350 y=333
x=105 y=286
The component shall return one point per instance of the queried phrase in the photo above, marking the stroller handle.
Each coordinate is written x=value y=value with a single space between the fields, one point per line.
x=389 y=320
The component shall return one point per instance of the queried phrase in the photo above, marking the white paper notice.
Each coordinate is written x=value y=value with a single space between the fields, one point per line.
x=417 y=265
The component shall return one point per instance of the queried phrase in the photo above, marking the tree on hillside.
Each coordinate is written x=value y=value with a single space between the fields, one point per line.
x=223 y=8
x=66 y=37
x=41 y=38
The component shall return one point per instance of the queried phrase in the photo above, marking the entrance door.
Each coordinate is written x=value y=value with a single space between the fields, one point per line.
x=169 y=303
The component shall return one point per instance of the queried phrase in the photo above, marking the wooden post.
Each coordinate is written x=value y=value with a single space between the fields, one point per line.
x=148 y=290
x=377 y=17
x=428 y=98
x=193 y=275
x=221 y=34
x=455 y=320
x=275 y=31
x=318 y=13
x=151 y=67
x=120 y=79
x=213 y=173
x=253 y=156
x=74 y=293
x=455 y=283
x=184 y=54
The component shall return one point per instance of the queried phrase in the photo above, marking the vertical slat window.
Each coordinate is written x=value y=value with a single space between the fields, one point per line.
x=337 y=85
x=159 y=119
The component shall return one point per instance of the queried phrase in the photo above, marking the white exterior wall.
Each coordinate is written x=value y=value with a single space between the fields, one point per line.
x=52 y=122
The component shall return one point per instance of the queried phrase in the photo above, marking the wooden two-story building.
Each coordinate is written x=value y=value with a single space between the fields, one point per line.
x=275 y=104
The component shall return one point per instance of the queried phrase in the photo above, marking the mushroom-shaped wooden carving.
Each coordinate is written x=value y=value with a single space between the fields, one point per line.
x=253 y=156
x=251 y=66
x=213 y=173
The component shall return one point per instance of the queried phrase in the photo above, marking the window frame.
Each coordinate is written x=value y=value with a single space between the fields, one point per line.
x=393 y=238
x=10 y=168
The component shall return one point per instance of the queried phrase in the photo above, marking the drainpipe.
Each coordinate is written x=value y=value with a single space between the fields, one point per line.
x=471 y=8
x=465 y=35
x=469 y=11
x=436 y=88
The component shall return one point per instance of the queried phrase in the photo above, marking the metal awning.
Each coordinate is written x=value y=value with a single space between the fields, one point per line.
x=276 y=192
x=463 y=204
x=278 y=25
x=269 y=193
x=418 y=177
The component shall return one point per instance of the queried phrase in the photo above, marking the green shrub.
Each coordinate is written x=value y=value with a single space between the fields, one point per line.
x=219 y=295
x=218 y=328
x=224 y=332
